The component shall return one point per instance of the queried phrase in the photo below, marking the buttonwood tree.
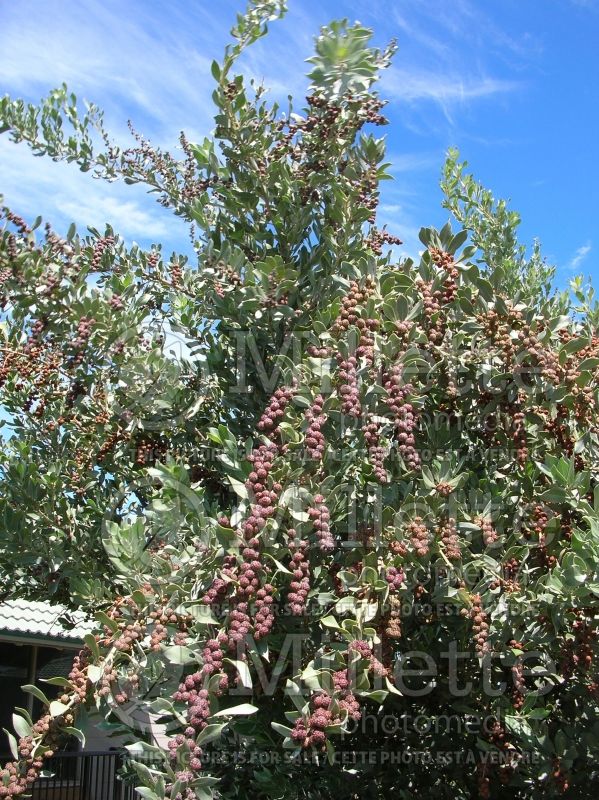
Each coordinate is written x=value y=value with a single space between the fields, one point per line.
x=335 y=511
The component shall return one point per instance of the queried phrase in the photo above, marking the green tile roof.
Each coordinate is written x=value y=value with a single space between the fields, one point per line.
x=37 y=619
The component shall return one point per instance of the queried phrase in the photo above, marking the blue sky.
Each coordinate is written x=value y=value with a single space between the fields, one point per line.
x=512 y=83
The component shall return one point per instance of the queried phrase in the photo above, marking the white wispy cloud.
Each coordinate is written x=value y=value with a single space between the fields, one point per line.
x=579 y=256
x=63 y=194
x=132 y=64
x=450 y=92
x=119 y=56
x=413 y=162
x=444 y=28
x=414 y=86
x=151 y=62
x=126 y=216
x=434 y=67
x=141 y=61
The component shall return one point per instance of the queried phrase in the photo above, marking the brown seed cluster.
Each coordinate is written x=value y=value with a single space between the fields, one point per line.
x=226 y=276
x=111 y=441
x=365 y=348
x=347 y=374
x=85 y=328
x=274 y=297
x=315 y=441
x=107 y=681
x=376 y=453
x=5 y=275
x=363 y=649
x=12 y=252
x=498 y=332
x=36 y=368
x=264 y=498
x=78 y=675
x=431 y=302
x=275 y=410
x=352 y=306
x=19 y=223
x=318 y=352
x=393 y=622
x=489 y=534
x=403 y=328
x=404 y=415
x=539 y=520
x=518 y=681
x=176 y=274
x=219 y=587
x=379 y=237
x=100 y=247
x=16 y=778
x=191 y=692
x=518 y=432
x=365 y=188
x=349 y=391
x=560 y=776
x=483 y=782
x=395 y=578
x=249 y=574
x=300 y=567
x=213 y=654
x=578 y=654
x=149 y=450
x=480 y=626
x=419 y=536
x=177 y=181
x=245 y=584
x=130 y=632
x=446 y=264
x=448 y=536
x=310 y=732
x=419 y=591
x=263 y=609
x=347 y=701
x=397 y=546
x=510 y=569
x=321 y=518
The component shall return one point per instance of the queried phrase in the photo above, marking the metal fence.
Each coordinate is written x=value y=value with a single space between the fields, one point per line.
x=85 y=776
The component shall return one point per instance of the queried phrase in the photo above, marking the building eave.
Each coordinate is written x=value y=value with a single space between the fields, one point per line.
x=14 y=637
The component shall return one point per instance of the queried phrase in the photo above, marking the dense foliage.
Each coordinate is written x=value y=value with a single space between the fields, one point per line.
x=338 y=509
